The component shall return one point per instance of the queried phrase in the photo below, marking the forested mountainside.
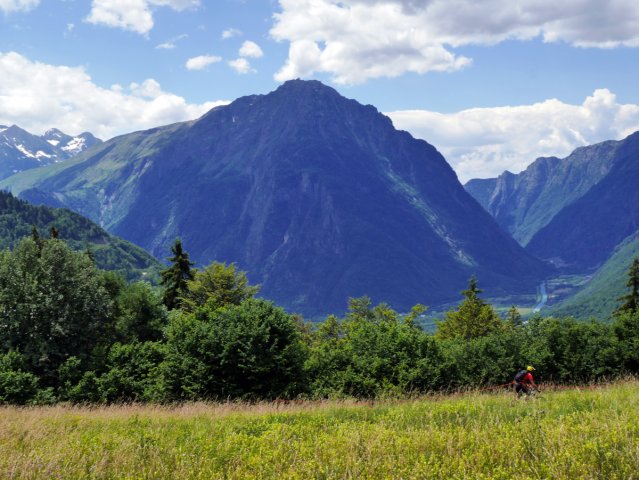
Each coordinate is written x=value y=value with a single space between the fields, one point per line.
x=19 y=219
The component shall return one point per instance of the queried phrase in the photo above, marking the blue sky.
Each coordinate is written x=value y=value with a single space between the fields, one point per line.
x=493 y=84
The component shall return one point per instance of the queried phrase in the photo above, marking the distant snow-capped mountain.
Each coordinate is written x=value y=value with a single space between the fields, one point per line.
x=21 y=150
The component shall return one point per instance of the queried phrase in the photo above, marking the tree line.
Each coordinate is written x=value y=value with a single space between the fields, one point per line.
x=72 y=332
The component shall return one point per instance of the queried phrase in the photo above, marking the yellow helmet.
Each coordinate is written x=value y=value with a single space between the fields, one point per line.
x=530 y=368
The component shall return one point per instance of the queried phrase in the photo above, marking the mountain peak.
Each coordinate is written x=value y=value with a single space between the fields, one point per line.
x=296 y=108
x=306 y=87
x=21 y=150
x=15 y=130
x=53 y=133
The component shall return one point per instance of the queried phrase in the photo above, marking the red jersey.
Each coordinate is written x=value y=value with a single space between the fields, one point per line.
x=528 y=378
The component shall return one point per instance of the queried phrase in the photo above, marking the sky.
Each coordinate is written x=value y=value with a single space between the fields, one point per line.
x=492 y=84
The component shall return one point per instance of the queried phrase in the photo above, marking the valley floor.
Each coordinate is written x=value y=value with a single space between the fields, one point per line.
x=561 y=434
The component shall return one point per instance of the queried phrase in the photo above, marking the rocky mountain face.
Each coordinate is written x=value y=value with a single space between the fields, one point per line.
x=21 y=150
x=318 y=197
x=524 y=203
x=585 y=232
x=573 y=211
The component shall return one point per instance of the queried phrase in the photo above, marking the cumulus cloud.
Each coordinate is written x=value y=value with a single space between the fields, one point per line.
x=201 y=62
x=250 y=50
x=38 y=96
x=241 y=65
x=133 y=15
x=230 y=33
x=8 y=6
x=355 y=40
x=483 y=142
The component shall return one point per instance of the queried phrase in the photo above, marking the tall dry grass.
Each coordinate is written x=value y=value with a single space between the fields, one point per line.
x=563 y=434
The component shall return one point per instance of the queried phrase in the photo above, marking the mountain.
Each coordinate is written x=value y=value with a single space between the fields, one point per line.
x=21 y=150
x=600 y=296
x=318 y=197
x=585 y=232
x=524 y=203
x=18 y=217
x=71 y=146
x=580 y=213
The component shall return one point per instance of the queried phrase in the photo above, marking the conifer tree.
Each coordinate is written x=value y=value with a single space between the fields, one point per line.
x=175 y=278
x=35 y=234
x=631 y=300
x=473 y=317
x=514 y=317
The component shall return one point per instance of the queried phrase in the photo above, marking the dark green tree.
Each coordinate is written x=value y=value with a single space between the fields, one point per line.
x=626 y=325
x=132 y=373
x=513 y=317
x=52 y=305
x=141 y=315
x=17 y=386
x=175 y=278
x=373 y=351
x=473 y=318
x=35 y=234
x=251 y=350
x=631 y=299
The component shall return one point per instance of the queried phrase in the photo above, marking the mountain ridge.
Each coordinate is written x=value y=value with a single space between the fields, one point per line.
x=526 y=202
x=21 y=150
x=318 y=197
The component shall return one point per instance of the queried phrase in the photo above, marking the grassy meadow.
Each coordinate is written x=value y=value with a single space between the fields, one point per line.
x=561 y=434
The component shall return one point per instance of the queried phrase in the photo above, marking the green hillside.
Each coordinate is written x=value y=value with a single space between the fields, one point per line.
x=18 y=218
x=598 y=298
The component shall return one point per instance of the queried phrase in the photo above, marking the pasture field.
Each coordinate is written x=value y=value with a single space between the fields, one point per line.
x=582 y=433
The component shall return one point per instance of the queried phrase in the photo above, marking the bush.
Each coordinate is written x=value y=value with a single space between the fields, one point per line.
x=133 y=373
x=373 y=352
x=251 y=350
x=16 y=385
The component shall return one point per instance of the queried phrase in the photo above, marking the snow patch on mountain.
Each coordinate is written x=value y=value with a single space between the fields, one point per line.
x=24 y=151
x=75 y=146
x=21 y=150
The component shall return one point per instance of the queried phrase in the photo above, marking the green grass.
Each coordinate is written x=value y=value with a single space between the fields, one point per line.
x=566 y=434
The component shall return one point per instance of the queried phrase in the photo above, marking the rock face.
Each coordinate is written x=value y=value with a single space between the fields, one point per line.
x=21 y=150
x=573 y=211
x=586 y=232
x=318 y=197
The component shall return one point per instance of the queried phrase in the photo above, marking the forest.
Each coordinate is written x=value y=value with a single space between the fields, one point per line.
x=71 y=332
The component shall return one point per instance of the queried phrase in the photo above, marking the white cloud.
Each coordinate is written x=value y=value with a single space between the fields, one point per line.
x=250 y=50
x=230 y=33
x=201 y=62
x=241 y=65
x=172 y=43
x=133 y=15
x=355 y=40
x=166 y=46
x=38 y=96
x=483 y=142
x=9 y=6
